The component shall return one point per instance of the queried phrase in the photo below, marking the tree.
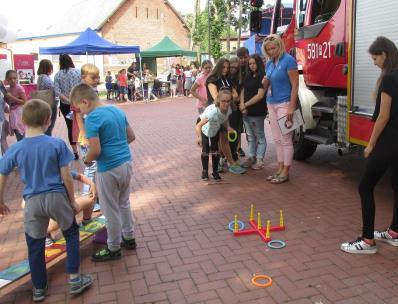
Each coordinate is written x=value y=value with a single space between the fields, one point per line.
x=224 y=22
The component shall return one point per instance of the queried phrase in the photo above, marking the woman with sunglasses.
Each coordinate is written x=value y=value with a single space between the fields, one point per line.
x=218 y=79
x=281 y=80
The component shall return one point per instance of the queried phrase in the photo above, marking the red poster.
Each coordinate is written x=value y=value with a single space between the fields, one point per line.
x=25 y=67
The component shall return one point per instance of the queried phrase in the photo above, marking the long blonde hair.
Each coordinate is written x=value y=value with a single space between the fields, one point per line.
x=275 y=40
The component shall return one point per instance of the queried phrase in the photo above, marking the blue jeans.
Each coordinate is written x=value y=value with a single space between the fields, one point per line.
x=37 y=262
x=89 y=172
x=255 y=135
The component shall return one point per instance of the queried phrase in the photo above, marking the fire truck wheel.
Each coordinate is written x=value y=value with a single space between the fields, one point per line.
x=303 y=148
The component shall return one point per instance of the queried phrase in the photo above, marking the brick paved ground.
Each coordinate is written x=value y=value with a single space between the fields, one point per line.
x=186 y=255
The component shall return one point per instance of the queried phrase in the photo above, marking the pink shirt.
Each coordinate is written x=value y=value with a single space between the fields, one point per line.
x=202 y=92
x=16 y=109
x=122 y=80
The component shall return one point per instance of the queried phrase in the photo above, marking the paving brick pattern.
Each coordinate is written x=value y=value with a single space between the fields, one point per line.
x=185 y=253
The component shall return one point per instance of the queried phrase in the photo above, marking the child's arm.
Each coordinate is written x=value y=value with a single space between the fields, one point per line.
x=199 y=126
x=85 y=180
x=80 y=124
x=196 y=95
x=12 y=99
x=68 y=182
x=94 y=151
x=130 y=134
x=4 y=210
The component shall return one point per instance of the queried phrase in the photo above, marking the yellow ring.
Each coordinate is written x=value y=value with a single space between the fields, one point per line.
x=261 y=277
x=234 y=138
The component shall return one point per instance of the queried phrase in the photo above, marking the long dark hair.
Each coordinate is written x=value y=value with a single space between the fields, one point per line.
x=259 y=63
x=45 y=67
x=216 y=73
x=384 y=45
x=65 y=62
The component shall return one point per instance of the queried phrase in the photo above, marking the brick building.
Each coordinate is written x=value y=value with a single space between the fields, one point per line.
x=125 y=22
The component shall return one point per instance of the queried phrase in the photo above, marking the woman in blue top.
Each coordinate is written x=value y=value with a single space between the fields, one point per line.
x=281 y=80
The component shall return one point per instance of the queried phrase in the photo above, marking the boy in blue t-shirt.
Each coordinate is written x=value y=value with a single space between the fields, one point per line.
x=43 y=166
x=109 y=136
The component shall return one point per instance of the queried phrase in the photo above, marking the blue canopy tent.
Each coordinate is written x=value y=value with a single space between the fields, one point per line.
x=90 y=43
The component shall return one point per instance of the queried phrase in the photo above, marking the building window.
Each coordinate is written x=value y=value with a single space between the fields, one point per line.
x=147 y=13
x=136 y=12
x=157 y=13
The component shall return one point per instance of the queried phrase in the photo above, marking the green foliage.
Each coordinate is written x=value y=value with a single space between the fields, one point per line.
x=220 y=24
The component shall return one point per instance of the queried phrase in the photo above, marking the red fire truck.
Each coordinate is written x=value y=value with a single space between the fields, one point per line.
x=329 y=39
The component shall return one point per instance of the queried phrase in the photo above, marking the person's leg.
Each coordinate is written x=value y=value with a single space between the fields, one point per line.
x=224 y=147
x=35 y=225
x=257 y=123
x=377 y=164
x=109 y=191
x=286 y=141
x=72 y=248
x=37 y=263
x=205 y=153
x=277 y=135
x=215 y=155
x=234 y=123
x=125 y=173
x=394 y=183
x=65 y=110
x=54 y=112
x=251 y=141
x=4 y=134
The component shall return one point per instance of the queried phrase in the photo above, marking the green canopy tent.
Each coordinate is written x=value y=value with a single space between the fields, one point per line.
x=167 y=48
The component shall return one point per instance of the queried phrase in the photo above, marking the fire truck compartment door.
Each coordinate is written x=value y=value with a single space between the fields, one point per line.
x=371 y=19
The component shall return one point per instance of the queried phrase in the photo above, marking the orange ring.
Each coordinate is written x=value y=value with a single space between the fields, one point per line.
x=262 y=277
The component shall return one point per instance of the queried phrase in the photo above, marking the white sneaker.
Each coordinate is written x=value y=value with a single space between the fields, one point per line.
x=358 y=246
x=248 y=162
x=258 y=165
x=386 y=237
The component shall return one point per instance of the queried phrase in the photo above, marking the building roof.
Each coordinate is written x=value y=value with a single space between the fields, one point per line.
x=75 y=17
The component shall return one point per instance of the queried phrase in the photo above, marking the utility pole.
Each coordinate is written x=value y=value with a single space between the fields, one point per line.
x=208 y=27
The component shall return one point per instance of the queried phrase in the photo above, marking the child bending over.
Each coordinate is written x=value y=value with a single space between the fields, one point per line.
x=212 y=120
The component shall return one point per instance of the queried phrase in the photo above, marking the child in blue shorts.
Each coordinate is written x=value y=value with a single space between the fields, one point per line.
x=109 y=135
x=43 y=163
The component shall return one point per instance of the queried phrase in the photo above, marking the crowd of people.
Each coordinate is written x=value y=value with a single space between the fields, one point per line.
x=234 y=96
x=241 y=91
x=255 y=90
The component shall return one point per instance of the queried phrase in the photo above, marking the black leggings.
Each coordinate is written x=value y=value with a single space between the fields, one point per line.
x=210 y=145
x=383 y=157
x=65 y=110
x=235 y=122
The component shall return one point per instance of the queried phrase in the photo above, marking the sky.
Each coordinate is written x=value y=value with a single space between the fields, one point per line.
x=29 y=12
x=186 y=6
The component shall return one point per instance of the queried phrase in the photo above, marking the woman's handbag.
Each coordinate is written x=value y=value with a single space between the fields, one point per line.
x=45 y=95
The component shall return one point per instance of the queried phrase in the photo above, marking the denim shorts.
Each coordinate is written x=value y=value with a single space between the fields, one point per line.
x=123 y=90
